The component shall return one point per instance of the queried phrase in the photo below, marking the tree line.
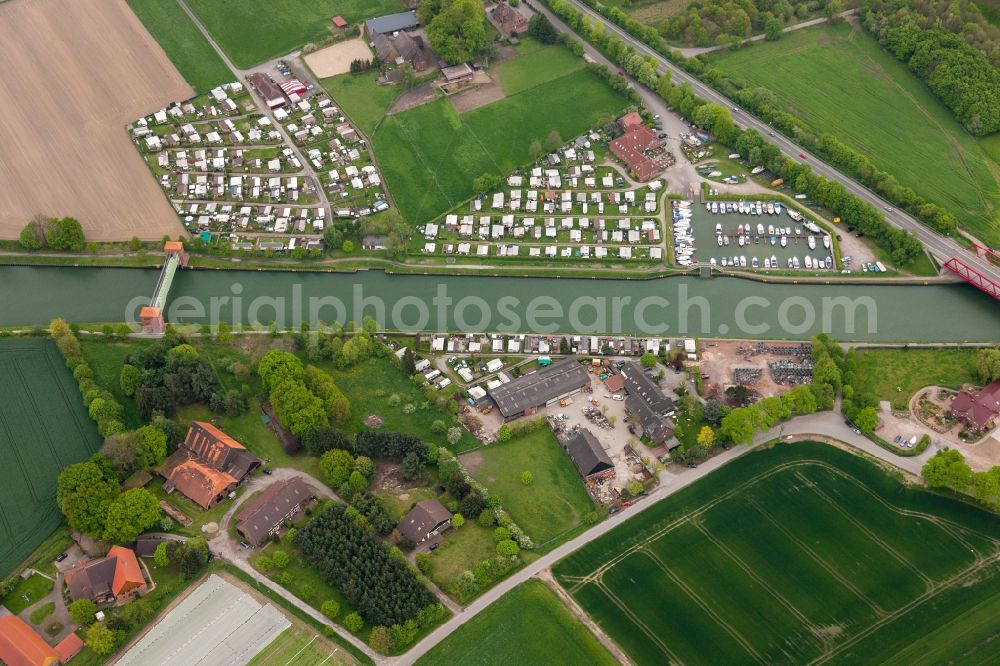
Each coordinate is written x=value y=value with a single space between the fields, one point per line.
x=927 y=37
x=903 y=246
x=729 y=22
x=54 y=233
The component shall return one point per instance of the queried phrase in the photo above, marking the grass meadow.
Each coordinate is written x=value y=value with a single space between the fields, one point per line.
x=183 y=43
x=554 y=504
x=430 y=154
x=364 y=101
x=528 y=625
x=799 y=553
x=43 y=428
x=252 y=31
x=837 y=79
x=368 y=386
x=896 y=374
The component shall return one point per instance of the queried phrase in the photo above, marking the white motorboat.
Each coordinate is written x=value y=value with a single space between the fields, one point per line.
x=829 y=262
x=718 y=228
x=812 y=242
x=725 y=240
x=760 y=229
x=754 y=263
x=774 y=240
x=826 y=242
x=784 y=241
x=791 y=264
x=777 y=208
x=742 y=240
x=719 y=238
x=757 y=170
x=725 y=261
x=795 y=262
x=712 y=261
x=770 y=230
x=774 y=261
x=809 y=261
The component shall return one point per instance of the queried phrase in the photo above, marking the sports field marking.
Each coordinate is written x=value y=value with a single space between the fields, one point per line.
x=748 y=570
x=729 y=629
x=895 y=554
x=302 y=649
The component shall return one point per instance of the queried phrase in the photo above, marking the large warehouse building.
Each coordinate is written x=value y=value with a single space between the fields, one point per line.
x=525 y=395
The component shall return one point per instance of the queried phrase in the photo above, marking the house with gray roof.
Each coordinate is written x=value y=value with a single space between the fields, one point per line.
x=427 y=519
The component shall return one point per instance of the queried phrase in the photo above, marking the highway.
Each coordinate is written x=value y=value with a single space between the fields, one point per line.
x=941 y=247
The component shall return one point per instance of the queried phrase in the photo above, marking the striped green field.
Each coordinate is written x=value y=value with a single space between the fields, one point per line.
x=43 y=428
x=802 y=553
x=838 y=80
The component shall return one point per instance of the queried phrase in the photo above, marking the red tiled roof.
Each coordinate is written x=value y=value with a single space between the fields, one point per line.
x=21 y=646
x=128 y=575
x=978 y=408
x=631 y=145
x=199 y=483
x=339 y=22
x=615 y=383
x=69 y=647
x=630 y=119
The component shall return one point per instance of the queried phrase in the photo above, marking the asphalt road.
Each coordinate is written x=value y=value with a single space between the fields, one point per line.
x=942 y=247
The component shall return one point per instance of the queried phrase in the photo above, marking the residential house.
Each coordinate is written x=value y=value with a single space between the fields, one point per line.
x=262 y=517
x=427 y=519
x=401 y=48
x=117 y=578
x=208 y=466
x=977 y=410
x=509 y=20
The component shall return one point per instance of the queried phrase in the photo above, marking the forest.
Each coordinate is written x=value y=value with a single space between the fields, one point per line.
x=952 y=48
x=728 y=21
x=378 y=584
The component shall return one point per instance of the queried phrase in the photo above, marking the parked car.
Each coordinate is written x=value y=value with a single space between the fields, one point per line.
x=802 y=155
x=626 y=504
x=434 y=546
x=62 y=556
x=244 y=545
x=268 y=472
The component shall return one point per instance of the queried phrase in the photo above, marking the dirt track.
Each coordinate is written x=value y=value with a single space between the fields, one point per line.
x=72 y=74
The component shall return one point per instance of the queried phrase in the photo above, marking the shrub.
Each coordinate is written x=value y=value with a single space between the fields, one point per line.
x=353 y=622
x=330 y=608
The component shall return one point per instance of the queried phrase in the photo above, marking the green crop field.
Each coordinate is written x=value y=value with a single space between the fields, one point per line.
x=528 y=625
x=534 y=66
x=43 y=428
x=252 y=31
x=554 y=504
x=430 y=154
x=802 y=553
x=183 y=43
x=838 y=80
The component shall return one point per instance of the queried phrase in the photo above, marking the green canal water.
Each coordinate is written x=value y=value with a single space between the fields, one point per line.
x=728 y=307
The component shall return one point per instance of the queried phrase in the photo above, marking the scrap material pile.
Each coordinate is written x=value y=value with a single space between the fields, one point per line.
x=746 y=376
x=594 y=415
x=791 y=372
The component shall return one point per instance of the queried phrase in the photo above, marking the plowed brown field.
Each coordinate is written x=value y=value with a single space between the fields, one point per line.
x=72 y=74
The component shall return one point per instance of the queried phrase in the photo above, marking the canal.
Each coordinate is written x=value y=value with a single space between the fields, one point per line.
x=724 y=307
